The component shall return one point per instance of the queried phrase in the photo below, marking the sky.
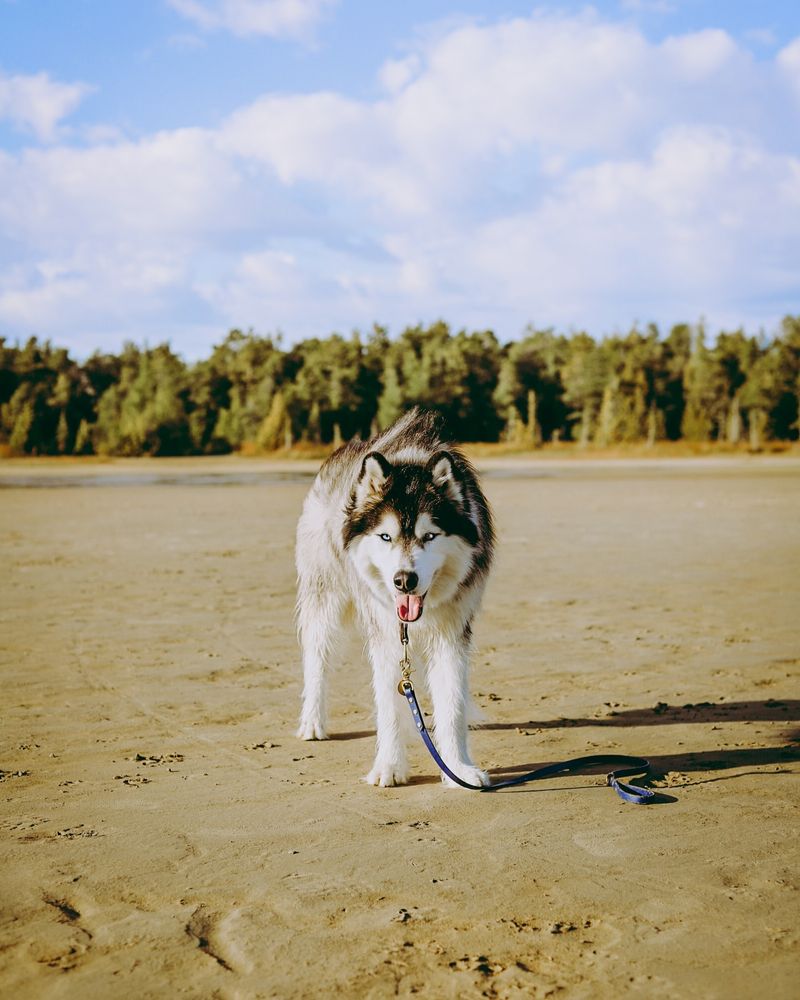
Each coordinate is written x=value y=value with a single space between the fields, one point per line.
x=171 y=169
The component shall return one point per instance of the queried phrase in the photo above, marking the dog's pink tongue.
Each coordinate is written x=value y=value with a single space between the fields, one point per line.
x=409 y=607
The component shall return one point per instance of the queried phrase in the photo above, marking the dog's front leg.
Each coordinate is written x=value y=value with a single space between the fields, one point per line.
x=318 y=614
x=448 y=679
x=391 y=761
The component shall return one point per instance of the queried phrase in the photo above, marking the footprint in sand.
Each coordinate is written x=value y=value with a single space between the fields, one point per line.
x=64 y=947
x=216 y=937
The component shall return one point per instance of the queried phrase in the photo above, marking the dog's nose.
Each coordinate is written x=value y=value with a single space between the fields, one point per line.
x=405 y=581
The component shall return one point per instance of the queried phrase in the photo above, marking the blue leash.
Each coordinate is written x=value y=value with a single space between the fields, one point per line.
x=629 y=765
x=632 y=765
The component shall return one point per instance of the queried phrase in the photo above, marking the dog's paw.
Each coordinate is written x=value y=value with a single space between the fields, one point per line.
x=469 y=773
x=387 y=775
x=311 y=729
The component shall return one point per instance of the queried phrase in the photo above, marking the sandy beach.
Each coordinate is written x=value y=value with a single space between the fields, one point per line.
x=165 y=835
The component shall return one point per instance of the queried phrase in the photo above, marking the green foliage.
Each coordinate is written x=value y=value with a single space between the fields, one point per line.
x=326 y=388
x=250 y=392
x=230 y=393
x=454 y=375
x=585 y=376
x=534 y=365
x=145 y=412
x=42 y=396
x=275 y=432
x=700 y=389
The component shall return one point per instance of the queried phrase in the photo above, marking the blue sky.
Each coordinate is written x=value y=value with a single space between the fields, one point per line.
x=170 y=169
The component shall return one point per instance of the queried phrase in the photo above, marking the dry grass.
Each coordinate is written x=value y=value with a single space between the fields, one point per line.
x=307 y=451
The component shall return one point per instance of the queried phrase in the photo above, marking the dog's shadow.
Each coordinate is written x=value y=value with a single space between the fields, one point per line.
x=771 y=710
x=662 y=714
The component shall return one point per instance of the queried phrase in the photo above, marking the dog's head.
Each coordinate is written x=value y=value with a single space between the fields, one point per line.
x=410 y=531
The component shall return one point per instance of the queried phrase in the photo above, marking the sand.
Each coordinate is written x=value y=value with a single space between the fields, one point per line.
x=165 y=835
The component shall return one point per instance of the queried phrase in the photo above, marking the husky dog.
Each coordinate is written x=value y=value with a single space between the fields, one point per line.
x=396 y=528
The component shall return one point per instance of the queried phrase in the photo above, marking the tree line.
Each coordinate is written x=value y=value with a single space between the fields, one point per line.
x=253 y=394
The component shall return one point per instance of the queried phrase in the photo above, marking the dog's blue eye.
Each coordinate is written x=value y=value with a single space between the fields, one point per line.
x=384 y=537
x=429 y=536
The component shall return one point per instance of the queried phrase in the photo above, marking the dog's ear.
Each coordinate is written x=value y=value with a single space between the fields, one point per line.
x=443 y=473
x=375 y=471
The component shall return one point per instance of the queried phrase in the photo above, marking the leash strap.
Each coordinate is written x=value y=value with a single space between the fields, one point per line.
x=629 y=765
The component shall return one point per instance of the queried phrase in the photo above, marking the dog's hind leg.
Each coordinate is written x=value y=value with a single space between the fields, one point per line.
x=319 y=614
x=391 y=759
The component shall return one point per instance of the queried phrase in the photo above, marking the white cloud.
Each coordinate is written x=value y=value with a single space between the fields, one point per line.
x=788 y=61
x=171 y=187
x=761 y=36
x=265 y=276
x=105 y=237
x=548 y=87
x=266 y=286
x=119 y=286
x=555 y=82
x=650 y=6
x=396 y=73
x=562 y=169
x=688 y=225
x=318 y=137
x=274 y=18
x=700 y=55
x=420 y=148
x=37 y=104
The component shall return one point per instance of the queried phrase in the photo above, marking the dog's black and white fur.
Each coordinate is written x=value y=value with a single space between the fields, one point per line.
x=396 y=527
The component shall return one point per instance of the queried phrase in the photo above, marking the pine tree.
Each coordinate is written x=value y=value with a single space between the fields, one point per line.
x=83 y=439
x=699 y=393
x=608 y=415
x=62 y=434
x=271 y=434
x=390 y=403
x=21 y=409
x=533 y=431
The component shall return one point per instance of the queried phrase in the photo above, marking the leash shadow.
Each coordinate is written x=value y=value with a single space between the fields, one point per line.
x=662 y=765
x=662 y=714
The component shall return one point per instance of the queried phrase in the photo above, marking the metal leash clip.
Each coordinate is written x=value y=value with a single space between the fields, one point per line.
x=405 y=663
